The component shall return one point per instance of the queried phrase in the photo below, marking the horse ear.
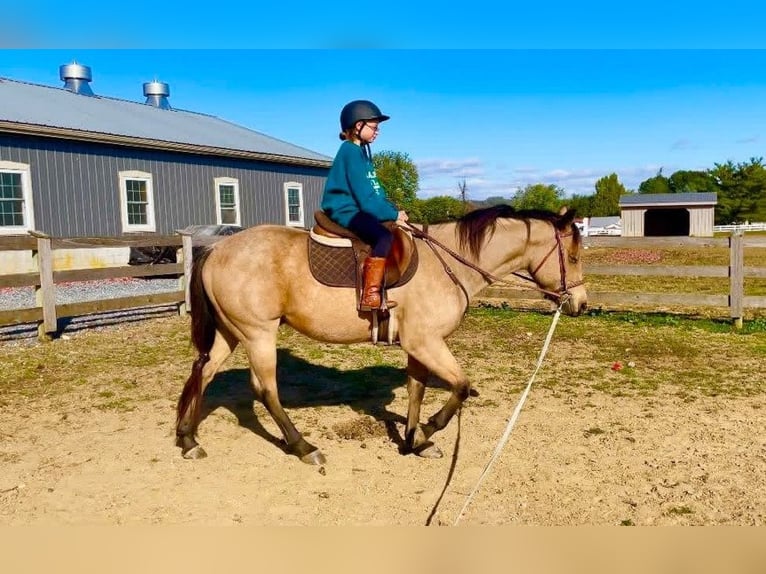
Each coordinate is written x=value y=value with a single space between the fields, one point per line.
x=566 y=218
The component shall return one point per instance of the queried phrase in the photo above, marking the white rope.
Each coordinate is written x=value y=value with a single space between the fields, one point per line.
x=513 y=418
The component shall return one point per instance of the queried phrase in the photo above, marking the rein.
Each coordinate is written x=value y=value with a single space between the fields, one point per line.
x=559 y=297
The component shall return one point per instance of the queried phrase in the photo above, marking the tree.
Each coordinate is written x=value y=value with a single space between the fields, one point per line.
x=538 y=196
x=606 y=201
x=439 y=209
x=657 y=184
x=692 y=181
x=582 y=204
x=399 y=176
x=463 y=195
x=741 y=191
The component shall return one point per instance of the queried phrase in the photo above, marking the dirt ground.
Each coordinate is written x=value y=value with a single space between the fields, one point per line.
x=574 y=458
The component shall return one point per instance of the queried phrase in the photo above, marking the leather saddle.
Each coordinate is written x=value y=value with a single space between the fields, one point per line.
x=336 y=254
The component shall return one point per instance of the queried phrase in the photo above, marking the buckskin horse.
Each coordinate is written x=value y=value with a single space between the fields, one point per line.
x=246 y=285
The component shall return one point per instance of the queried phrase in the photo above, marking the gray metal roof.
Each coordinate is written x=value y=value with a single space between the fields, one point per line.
x=604 y=221
x=58 y=110
x=697 y=198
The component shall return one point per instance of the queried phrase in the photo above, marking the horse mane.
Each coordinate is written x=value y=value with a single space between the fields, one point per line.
x=477 y=227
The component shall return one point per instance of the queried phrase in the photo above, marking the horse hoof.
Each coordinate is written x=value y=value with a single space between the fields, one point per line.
x=428 y=450
x=314 y=457
x=195 y=453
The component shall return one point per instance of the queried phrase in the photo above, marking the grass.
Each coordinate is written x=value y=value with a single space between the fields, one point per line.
x=119 y=367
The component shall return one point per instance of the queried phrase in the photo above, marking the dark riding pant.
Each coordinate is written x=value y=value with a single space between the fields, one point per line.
x=373 y=233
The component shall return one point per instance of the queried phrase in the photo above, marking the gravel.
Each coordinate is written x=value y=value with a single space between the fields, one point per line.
x=75 y=292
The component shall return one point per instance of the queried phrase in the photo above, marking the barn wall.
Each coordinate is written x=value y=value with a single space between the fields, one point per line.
x=701 y=221
x=632 y=222
x=76 y=187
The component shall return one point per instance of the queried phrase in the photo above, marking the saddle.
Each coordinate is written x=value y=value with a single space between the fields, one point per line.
x=336 y=255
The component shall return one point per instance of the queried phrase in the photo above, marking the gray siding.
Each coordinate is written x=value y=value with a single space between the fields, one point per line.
x=75 y=185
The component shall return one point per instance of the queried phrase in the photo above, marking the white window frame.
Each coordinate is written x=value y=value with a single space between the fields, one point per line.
x=219 y=181
x=150 y=224
x=26 y=191
x=287 y=187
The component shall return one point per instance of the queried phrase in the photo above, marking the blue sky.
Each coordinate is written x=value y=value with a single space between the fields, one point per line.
x=498 y=119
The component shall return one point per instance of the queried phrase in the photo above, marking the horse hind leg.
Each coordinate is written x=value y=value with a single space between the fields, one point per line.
x=262 y=353
x=190 y=402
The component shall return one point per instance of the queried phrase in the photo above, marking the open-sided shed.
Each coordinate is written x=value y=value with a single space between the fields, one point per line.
x=668 y=214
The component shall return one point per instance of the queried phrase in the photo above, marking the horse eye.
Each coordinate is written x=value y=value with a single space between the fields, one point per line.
x=573 y=259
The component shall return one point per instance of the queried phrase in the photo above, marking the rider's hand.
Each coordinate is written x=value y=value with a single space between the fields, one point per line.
x=402 y=217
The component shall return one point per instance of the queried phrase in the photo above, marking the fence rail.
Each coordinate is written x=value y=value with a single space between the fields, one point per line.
x=46 y=313
x=735 y=300
x=740 y=227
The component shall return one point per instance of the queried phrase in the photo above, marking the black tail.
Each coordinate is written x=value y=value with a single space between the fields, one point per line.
x=202 y=312
x=203 y=327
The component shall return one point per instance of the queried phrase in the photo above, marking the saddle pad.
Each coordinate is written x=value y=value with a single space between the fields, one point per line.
x=332 y=266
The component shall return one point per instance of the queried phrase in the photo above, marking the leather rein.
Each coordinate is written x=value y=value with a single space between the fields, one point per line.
x=560 y=297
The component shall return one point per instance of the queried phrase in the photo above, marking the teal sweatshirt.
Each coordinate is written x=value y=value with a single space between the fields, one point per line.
x=352 y=186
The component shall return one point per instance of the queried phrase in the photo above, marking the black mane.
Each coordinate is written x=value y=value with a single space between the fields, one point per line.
x=476 y=227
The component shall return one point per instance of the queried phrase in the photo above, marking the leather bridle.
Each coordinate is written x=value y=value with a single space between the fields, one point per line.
x=562 y=268
x=560 y=297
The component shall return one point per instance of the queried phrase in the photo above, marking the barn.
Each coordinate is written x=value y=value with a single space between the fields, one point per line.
x=74 y=163
x=668 y=214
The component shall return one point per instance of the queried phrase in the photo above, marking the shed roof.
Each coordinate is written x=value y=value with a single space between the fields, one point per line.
x=669 y=199
x=57 y=112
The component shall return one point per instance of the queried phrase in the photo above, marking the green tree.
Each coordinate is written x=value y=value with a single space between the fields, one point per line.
x=538 y=196
x=399 y=176
x=692 y=181
x=438 y=209
x=657 y=184
x=741 y=191
x=606 y=201
x=582 y=204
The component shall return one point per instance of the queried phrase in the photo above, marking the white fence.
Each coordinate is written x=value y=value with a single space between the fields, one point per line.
x=740 y=227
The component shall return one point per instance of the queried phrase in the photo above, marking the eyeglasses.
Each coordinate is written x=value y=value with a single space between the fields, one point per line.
x=375 y=127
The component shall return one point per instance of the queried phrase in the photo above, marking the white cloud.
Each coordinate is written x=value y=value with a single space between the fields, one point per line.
x=443 y=176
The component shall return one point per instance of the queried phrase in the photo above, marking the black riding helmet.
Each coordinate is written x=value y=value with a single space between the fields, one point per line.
x=360 y=110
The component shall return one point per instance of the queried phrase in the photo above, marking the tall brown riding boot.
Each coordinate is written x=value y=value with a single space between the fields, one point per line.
x=374 y=269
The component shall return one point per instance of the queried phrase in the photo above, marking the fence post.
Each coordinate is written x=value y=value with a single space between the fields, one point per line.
x=187 y=249
x=736 y=277
x=45 y=291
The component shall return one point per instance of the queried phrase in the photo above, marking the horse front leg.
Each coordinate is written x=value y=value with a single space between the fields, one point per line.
x=415 y=440
x=435 y=357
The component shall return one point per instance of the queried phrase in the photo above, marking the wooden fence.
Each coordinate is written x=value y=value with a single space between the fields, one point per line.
x=46 y=312
x=736 y=271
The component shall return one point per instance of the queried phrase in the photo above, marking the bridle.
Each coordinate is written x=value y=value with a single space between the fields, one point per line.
x=559 y=297
x=564 y=291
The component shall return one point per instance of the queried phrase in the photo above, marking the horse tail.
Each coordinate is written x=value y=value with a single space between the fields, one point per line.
x=203 y=329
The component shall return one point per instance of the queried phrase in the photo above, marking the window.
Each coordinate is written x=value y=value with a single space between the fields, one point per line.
x=294 y=204
x=16 y=214
x=227 y=201
x=137 y=201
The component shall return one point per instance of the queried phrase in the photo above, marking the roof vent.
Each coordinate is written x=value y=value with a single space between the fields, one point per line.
x=157 y=94
x=76 y=78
